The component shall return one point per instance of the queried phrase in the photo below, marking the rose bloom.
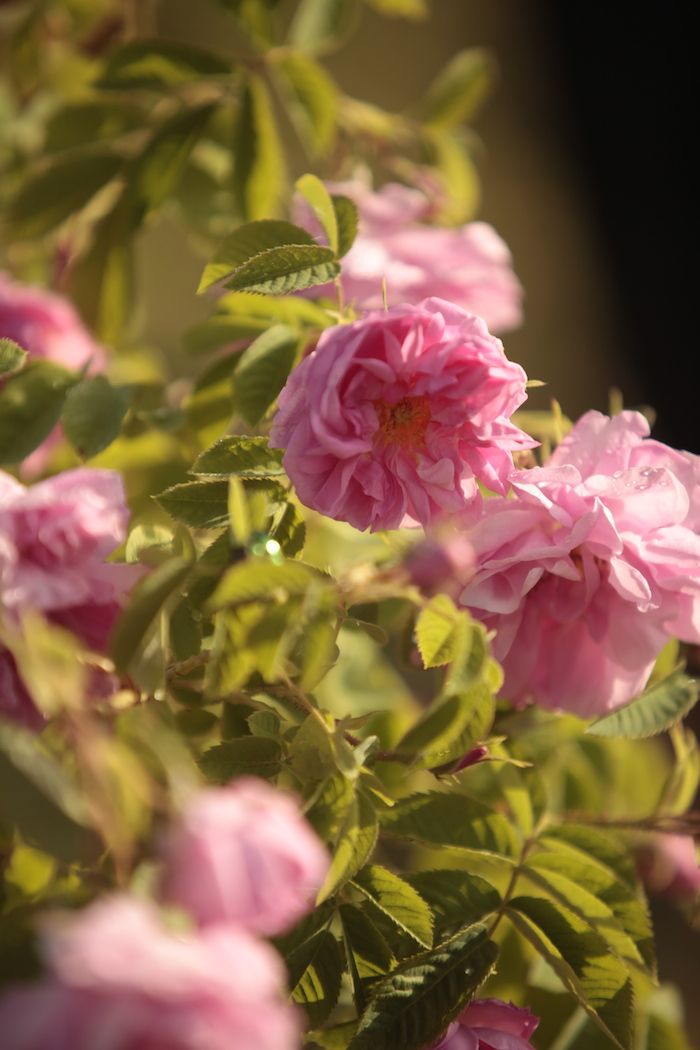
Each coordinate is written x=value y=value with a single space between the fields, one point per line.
x=592 y=568
x=490 y=1024
x=119 y=980
x=54 y=539
x=469 y=265
x=244 y=854
x=668 y=865
x=391 y=419
x=46 y=325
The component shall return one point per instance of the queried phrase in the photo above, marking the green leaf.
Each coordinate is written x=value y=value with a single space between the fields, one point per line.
x=12 y=357
x=248 y=242
x=656 y=710
x=460 y=88
x=289 y=529
x=145 y=602
x=347 y=219
x=247 y=457
x=451 y=156
x=59 y=190
x=356 y=840
x=412 y=1007
x=210 y=405
x=156 y=173
x=30 y=407
x=373 y=956
x=317 y=196
x=290 y=268
x=451 y=820
x=259 y=167
x=263 y=370
x=76 y=124
x=318 y=987
x=244 y=315
x=158 y=65
x=445 y=634
x=398 y=900
x=322 y=25
x=450 y=727
x=37 y=797
x=582 y=960
x=200 y=504
x=258 y=579
x=313 y=98
x=456 y=897
x=92 y=415
x=250 y=755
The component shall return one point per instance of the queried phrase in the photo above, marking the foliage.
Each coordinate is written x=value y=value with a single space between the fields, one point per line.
x=262 y=640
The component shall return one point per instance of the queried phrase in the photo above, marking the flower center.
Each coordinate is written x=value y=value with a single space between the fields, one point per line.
x=404 y=422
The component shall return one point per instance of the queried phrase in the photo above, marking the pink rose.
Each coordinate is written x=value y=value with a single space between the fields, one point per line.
x=589 y=571
x=46 y=325
x=668 y=865
x=470 y=266
x=54 y=539
x=244 y=854
x=490 y=1024
x=392 y=418
x=119 y=980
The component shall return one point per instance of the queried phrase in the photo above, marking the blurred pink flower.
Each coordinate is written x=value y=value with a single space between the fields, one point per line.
x=440 y=563
x=490 y=1024
x=589 y=571
x=46 y=325
x=54 y=539
x=244 y=854
x=119 y=980
x=469 y=265
x=391 y=419
x=668 y=865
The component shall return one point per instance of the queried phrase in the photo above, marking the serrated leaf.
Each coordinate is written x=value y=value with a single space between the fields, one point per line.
x=259 y=165
x=656 y=710
x=373 y=956
x=247 y=242
x=356 y=840
x=318 y=987
x=459 y=88
x=347 y=219
x=456 y=897
x=317 y=196
x=413 y=1006
x=249 y=755
x=582 y=960
x=158 y=64
x=452 y=820
x=200 y=504
x=257 y=579
x=247 y=457
x=289 y=529
x=30 y=407
x=290 y=268
x=12 y=357
x=398 y=900
x=313 y=98
x=92 y=415
x=435 y=629
x=59 y=190
x=145 y=602
x=263 y=370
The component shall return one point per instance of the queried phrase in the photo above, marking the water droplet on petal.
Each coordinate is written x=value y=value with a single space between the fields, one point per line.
x=641 y=485
x=618 y=473
x=646 y=472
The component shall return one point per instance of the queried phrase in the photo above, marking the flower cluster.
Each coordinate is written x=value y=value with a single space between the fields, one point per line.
x=47 y=326
x=54 y=540
x=119 y=978
x=471 y=266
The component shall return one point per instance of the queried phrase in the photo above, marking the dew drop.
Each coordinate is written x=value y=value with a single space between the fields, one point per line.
x=640 y=486
x=618 y=473
x=647 y=472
